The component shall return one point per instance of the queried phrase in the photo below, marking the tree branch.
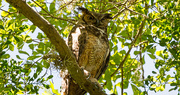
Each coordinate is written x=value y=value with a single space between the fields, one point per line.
x=122 y=80
x=69 y=20
x=132 y=44
x=59 y=43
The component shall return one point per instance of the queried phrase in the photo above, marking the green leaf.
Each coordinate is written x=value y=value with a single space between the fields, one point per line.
x=154 y=72
x=35 y=75
x=160 y=88
x=11 y=47
x=2 y=53
x=40 y=48
x=3 y=13
x=162 y=43
x=116 y=58
x=40 y=36
x=28 y=39
x=152 y=50
x=136 y=52
x=8 y=42
x=55 y=91
x=1 y=27
x=173 y=52
x=125 y=83
x=5 y=56
x=17 y=39
x=46 y=64
x=108 y=79
x=33 y=57
x=159 y=53
x=125 y=93
x=167 y=78
x=173 y=88
x=32 y=28
x=23 y=52
x=18 y=57
x=173 y=84
x=50 y=77
x=20 y=45
x=152 y=1
x=136 y=91
x=52 y=7
x=31 y=46
x=152 y=56
x=162 y=71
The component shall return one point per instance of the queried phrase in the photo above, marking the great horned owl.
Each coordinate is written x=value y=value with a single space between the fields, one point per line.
x=88 y=41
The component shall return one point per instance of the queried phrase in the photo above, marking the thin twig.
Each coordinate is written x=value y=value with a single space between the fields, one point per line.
x=52 y=15
x=34 y=63
x=121 y=11
x=7 y=12
x=66 y=4
x=136 y=12
x=122 y=86
x=132 y=44
x=117 y=5
x=141 y=62
x=123 y=4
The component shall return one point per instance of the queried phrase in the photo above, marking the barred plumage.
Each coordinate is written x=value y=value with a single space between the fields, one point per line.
x=88 y=41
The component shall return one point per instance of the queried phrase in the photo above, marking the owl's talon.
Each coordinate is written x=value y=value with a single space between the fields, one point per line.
x=95 y=81
x=89 y=75
x=82 y=68
x=86 y=73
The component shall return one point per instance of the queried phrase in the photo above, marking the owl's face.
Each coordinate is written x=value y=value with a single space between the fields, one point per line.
x=96 y=19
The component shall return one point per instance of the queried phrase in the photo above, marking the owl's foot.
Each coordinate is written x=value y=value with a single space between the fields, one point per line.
x=95 y=81
x=86 y=73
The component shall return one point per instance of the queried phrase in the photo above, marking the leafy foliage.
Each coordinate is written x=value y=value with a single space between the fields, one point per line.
x=141 y=30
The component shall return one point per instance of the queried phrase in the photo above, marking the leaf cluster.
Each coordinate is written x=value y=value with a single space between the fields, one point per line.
x=142 y=33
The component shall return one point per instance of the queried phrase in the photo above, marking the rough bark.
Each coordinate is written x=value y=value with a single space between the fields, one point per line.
x=59 y=43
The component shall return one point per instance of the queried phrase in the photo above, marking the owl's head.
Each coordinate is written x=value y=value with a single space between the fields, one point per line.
x=95 y=19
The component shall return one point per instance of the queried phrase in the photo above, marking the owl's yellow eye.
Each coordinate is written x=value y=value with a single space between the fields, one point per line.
x=103 y=19
x=90 y=18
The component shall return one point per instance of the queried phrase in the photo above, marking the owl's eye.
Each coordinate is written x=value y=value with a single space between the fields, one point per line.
x=90 y=18
x=102 y=19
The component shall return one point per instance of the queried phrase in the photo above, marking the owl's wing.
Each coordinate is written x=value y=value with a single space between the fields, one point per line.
x=104 y=66
x=82 y=41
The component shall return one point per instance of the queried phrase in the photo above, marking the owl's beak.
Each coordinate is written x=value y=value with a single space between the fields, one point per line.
x=97 y=22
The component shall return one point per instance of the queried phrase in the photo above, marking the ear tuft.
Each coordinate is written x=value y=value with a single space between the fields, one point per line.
x=84 y=10
x=107 y=15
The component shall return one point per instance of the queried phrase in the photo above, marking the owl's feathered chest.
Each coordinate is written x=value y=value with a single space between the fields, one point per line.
x=86 y=36
x=91 y=48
